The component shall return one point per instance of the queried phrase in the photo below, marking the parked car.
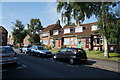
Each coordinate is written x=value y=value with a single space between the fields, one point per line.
x=74 y=55
x=7 y=55
x=24 y=48
x=39 y=51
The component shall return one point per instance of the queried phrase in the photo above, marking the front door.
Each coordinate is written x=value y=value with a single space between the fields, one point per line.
x=79 y=43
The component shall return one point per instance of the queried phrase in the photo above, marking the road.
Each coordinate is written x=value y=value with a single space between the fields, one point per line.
x=36 y=67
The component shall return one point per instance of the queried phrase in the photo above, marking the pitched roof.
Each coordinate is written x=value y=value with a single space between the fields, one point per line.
x=3 y=30
x=87 y=32
x=50 y=27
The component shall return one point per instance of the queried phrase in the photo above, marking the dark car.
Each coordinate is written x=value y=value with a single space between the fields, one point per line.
x=39 y=51
x=7 y=55
x=74 y=55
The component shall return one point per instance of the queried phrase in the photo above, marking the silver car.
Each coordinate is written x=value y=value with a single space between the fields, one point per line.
x=40 y=51
x=7 y=55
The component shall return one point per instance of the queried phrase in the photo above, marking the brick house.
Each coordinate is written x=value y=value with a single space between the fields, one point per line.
x=26 y=41
x=3 y=36
x=46 y=33
x=79 y=36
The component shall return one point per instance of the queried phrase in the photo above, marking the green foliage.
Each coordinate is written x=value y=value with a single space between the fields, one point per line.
x=35 y=26
x=19 y=33
x=47 y=47
x=80 y=10
x=63 y=46
x=33 y=30
x=110 y=27
x=16 y=47
x=34 y=38
x=54 y=50
x=71 y=24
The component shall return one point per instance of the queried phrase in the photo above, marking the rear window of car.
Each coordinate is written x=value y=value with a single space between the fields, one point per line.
x=41 y=48
x=6 y=50
x=80 y=51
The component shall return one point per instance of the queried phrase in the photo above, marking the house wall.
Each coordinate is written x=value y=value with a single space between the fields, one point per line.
x=3 y=36
x=45 y=38
x=26 y=41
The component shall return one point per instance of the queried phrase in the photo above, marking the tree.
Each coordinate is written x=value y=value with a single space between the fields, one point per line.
x=19 y=33
x=33 y=30
x=79 y=10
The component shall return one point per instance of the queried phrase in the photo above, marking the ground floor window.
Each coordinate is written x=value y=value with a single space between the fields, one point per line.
x=45 y=42
x=70 y=41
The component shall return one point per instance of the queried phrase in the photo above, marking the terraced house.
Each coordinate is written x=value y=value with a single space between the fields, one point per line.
x=78 y=36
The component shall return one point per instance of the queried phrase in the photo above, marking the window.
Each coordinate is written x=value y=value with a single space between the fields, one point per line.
x=70 y=50
x=97 y=40
x=94 y=27
x=79 y=29
x=70 y=41
x=63 y=50
x=71 y=30
x=45 y=42
x=45 y=34
x=55 y=32
x=66 y=30
x=66 y=41
x=41 y=48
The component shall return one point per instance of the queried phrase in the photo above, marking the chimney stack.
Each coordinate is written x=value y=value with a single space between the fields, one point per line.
x=78 y=23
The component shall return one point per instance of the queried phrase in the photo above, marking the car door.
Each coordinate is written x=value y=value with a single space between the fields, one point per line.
x=69 y=53
x=62 y=53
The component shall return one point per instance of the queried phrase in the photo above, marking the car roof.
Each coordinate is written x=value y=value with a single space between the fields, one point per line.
x=37 y=46
x=5 y=46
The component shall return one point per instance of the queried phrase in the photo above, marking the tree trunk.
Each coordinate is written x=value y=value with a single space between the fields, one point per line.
x=106 y=53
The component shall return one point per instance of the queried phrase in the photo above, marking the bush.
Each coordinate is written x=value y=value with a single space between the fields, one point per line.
x=63 y=46
x=16 y=47
x=47 y=47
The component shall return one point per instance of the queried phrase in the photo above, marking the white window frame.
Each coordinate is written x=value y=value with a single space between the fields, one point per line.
x=94 y=27
x=67 y=30
x=79 y=29
x=55 y=32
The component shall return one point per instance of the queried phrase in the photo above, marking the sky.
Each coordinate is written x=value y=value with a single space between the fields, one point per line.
x=25 y=11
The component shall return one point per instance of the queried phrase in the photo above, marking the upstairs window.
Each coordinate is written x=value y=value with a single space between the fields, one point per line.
x=55 y=32
x=45 y=34
x=79 y=29
x=94 y=27
x=67 y=30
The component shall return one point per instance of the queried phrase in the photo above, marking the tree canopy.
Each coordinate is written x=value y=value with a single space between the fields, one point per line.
x=19 y=32
x=34 y=30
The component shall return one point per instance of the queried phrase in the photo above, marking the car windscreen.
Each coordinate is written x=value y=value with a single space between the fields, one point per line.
x=41 y=48
x=6 y=50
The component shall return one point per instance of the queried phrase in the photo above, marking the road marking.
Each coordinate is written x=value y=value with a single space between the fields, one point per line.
x=105 y=67
x=23 y=66
x=69 y=65
x=59 y=62
x=3 y=70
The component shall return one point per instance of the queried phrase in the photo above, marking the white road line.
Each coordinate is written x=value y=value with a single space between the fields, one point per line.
x=70 y=65
x=23 y=66
x=3 y=70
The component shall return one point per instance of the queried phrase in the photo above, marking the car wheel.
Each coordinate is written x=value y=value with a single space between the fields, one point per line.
x=29 y=53
x=25 y=52
x=72 y=61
